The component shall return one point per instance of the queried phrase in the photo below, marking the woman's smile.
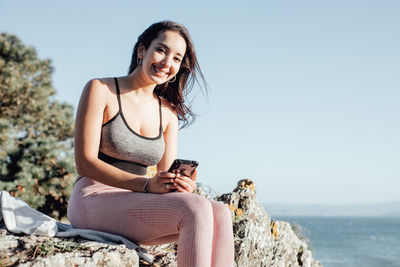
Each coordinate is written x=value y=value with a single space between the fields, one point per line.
x=160 y=72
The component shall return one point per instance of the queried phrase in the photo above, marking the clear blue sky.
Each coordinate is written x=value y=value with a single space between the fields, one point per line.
x=304 y=95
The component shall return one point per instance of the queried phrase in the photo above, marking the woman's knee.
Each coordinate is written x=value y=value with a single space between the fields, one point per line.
x=221 y=212
x=196 y=208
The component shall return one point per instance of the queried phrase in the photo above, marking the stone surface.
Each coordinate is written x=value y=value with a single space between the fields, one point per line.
x=38 y=251
x=259 y=241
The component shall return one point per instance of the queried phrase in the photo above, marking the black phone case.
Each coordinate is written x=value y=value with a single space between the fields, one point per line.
x=183 y=166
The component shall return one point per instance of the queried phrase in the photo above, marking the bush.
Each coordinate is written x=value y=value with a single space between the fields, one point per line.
x=36 y=145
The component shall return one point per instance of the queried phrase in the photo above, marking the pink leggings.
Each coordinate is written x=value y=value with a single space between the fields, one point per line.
x=202 y=227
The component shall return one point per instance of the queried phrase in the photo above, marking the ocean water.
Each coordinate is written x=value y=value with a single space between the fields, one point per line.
x=352 y=241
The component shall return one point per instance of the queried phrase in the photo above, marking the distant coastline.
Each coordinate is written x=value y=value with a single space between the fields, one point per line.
x=385 y=209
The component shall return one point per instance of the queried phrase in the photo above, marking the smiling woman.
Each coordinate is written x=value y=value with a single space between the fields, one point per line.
x=124 y=125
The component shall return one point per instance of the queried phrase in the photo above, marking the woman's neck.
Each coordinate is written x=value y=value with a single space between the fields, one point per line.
x=136 y=83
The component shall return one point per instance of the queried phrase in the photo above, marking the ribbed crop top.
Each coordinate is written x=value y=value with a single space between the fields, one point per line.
x=127 y=150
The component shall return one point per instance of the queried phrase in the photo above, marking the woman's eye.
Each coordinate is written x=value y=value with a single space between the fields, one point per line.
x=177 y=59
x=160 y=49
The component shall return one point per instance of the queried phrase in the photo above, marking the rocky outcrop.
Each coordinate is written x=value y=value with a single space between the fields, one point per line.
x=38 y=251
x=259 y=241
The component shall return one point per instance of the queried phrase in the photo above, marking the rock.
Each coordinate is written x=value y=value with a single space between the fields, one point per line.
x=38 y=251
x=259 y=241
x=164 y=255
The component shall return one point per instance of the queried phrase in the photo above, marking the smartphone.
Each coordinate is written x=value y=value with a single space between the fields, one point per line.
x=183 y=166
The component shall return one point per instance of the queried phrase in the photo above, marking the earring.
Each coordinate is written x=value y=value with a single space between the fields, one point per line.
x=171 y=81
x=139 y=61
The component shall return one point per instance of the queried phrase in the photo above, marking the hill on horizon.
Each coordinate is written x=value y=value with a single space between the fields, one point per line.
x=386 y=209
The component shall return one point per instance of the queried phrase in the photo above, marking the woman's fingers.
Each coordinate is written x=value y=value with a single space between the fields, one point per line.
x=162 y=182
x=165 y=175
x=194 y=176
x=169 y=181
x=184 y=184
x=169 y=186
x=166 y=178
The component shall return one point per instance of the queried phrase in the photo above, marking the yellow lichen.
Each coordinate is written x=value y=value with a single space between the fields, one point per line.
x=247 y=183
x=238 y=212
x=251 y=186
x=274 y=229
x=231 y=207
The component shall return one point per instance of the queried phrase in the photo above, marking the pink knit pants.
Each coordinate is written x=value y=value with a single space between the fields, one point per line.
x=202 y=227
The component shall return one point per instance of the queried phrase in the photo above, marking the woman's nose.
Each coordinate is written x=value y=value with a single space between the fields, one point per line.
x=167 y=61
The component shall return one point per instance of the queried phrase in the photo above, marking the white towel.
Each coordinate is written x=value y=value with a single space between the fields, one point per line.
x=20 y=218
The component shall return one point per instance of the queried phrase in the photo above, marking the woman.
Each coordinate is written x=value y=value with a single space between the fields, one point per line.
x=127 y=123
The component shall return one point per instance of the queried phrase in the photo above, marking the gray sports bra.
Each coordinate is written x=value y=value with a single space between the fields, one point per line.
x=127 y=150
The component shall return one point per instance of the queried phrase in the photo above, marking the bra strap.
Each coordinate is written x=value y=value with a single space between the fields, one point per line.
x=119 y=102
x=118 y=97
x=159 y=101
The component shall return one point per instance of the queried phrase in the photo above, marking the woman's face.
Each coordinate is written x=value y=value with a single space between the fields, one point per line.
x=162 y=60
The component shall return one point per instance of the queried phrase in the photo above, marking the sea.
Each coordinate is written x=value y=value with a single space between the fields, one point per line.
x=351 y=241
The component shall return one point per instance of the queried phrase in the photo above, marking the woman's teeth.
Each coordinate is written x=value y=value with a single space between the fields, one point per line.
x=159 y=72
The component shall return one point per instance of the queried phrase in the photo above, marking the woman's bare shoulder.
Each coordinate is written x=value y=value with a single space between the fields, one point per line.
x=98 y=89
x=169 y=114
x=168 y=108
x=103 y=85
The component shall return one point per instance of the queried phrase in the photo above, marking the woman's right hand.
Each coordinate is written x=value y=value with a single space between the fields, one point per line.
x=162 y=182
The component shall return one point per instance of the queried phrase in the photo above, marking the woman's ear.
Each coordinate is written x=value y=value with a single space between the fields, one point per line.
x=141 y=51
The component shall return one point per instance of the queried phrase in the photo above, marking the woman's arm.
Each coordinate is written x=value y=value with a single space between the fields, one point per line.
x=180 y=183
x=170 y=153
x=170 y=140
x=88 y=123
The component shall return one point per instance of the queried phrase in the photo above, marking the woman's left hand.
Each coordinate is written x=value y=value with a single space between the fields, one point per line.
x=185 y=183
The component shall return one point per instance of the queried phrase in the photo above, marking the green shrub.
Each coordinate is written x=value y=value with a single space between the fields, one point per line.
x=36 y=145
